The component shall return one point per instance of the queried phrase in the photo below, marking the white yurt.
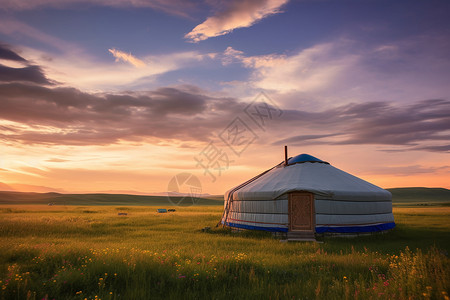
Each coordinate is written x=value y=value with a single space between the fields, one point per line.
x=306 y=194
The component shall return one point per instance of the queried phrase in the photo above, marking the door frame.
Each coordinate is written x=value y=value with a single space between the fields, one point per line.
x=313 y=211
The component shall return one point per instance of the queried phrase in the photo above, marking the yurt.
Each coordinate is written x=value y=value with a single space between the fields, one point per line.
x=306 y=196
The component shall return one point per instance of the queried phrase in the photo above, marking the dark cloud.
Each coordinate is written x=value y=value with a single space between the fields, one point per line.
x=62 y=115
x=393 y=125
x=442 y=148
x=408 y=170
x=7 y=53
x=79 y=118
x=28 y=74
x=419 y=125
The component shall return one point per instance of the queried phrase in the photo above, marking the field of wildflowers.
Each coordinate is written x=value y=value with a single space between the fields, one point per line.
x=93 y=253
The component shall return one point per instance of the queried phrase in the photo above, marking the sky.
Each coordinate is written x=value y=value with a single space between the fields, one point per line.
x=123 y=96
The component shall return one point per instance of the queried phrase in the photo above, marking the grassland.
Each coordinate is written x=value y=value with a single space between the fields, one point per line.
x=90 y=252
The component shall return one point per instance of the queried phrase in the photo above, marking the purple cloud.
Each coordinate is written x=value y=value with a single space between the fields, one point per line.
x=28 y=73
x=35 y=113
x=8 y=54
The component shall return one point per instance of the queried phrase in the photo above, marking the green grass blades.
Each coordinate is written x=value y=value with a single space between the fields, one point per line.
x=93 y=253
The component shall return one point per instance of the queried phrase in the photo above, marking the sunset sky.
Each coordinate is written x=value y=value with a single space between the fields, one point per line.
x=122 y=95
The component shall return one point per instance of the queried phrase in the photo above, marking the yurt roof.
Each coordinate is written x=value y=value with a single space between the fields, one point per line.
x=310 y=174
x=302 y=158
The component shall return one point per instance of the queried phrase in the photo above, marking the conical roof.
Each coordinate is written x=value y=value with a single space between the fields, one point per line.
x=308 y=173
x=302 y=158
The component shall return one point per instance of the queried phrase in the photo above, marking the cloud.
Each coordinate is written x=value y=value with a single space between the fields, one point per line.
x=381 y=123
x=237 y=14
x=74 y=67
x=231 y=55
x=33 y=113
x=85 y=72
x=41 y=115
x=66 y=116
x=7 y=53
x=423 y=125
x=127 y=57
x=306 y=138
x=442 y=148
x=16 y=28
x=310 y=70
x=408 y=170
x=175 y=7
x=56 y=160
x=317 y=72
x=348 y=70
x=26 y=73
x=29 y=74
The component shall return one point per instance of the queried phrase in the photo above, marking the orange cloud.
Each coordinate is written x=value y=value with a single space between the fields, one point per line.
x=239 y=14
x=127 y=57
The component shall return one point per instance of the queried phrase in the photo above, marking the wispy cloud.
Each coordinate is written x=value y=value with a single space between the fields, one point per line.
x=175 y=7
x=85 y=72
x=56 y=160
x=67 y=116
x=347 y=71
x=231 y=55
x=310 y=70
x=36 y=114
x=237 y=14
x=70 y=64
x=12 y=27
x=408 y=170
x=127 y=57
x=421 y=125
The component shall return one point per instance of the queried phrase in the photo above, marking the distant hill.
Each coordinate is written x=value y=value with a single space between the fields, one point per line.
x=416 y=195
x=400 y=196
x=8 y=197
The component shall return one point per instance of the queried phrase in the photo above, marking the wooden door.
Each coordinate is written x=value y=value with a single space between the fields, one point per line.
x=301 y=211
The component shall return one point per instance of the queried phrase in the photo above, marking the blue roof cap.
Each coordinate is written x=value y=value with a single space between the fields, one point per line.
x=302 y=158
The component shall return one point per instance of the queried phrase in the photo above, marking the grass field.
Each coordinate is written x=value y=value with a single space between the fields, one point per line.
x=90 y=252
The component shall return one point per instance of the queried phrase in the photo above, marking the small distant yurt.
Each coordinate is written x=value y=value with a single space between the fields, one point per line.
x=306 y=195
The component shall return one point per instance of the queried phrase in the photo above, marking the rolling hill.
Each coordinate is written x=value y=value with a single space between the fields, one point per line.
x=420 y=195
x=400 y=196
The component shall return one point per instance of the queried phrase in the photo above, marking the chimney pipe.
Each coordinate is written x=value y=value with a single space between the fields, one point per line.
x=285 y=156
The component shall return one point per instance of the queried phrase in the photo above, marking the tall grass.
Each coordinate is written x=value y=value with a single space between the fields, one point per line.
x=68 y=253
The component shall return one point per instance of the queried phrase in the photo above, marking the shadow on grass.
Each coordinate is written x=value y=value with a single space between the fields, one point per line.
x=394 y=240
x=403 y=235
